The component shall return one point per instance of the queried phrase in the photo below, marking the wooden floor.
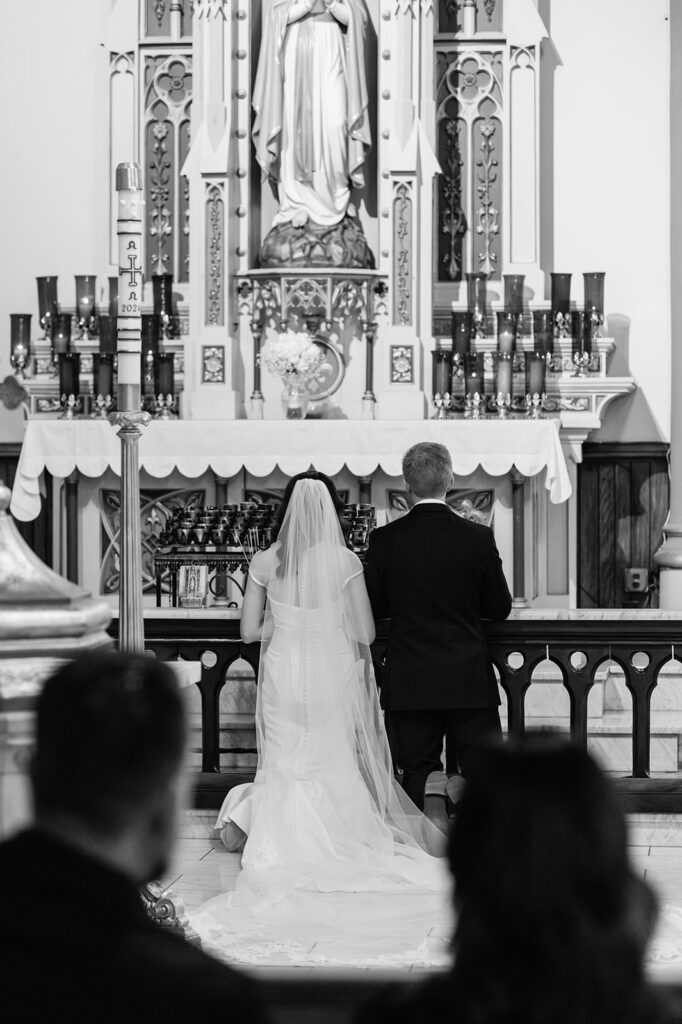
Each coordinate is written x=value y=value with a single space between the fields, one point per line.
x=202 y=868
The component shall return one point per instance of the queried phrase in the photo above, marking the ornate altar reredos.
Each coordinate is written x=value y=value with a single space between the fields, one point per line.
x=446 y=84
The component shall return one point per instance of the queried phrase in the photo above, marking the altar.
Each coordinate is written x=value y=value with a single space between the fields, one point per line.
x=510 y=473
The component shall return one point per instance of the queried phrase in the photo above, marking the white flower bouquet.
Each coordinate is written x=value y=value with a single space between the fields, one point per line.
x=291 y=354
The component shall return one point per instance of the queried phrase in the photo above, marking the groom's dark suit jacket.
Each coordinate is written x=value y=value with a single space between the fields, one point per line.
x=436 y=576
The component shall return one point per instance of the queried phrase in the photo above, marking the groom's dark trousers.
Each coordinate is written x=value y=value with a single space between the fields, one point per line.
x=436 y=576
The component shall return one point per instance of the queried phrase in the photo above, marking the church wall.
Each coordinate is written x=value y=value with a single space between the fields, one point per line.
x=53 y=174
x=611 y=187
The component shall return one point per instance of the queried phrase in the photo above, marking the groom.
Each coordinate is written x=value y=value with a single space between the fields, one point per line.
x=436 y=576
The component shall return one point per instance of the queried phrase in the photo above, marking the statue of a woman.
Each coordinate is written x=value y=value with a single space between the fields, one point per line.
x=311 y=128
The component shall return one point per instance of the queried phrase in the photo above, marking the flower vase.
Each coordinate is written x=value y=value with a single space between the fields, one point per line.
x=295 y=400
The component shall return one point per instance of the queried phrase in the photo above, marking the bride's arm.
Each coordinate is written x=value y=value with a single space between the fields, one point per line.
x=361 y=610
x=253 y=607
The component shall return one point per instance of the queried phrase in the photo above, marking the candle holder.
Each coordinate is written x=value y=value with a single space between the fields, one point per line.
x=103 y=404
x=163 y=406
x=504 y=370
x=581 y=326
x=534 y=405
x=443 y=404
x=150 y=329
x=474 y=385
x=164 y=384
x=60 y=332
x=462 y=326
x=513 y=293
x=543 y=332
x=476 y=301
x=162 y=287
x=474 y=406
x=536 y=368
x=47 y=303
x=561 y=303
x=507 y=327
x=441 y=371
x=85 y=304
x=69 y=384
x=594 y=301
x=20 y=342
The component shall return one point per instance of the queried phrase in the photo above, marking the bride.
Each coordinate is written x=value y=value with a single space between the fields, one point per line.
x=337 y=862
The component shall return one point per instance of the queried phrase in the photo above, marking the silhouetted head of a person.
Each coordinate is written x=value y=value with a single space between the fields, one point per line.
x=551 y=919
x=108 y=769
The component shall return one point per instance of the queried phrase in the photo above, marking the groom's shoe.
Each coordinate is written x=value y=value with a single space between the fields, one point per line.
x=233 y=837
x=454 y=787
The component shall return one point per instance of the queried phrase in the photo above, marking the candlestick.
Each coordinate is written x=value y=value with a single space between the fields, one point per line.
x=504 y=365
x=20 y=342
x=506 y=331
x=462 y=323
x=561 y=303
x=162 y=287
x=473 y=374
x=441 y=371
x=476 y=301
x=85 y=302
x=543 y=331
x=594 y=300
x=60 y=330
x=536 y=368
x=103 y=367
x=513 y=293
x=47 y=301
x=69 y=382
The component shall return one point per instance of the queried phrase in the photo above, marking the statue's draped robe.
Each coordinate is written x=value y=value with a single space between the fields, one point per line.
x=311 y=129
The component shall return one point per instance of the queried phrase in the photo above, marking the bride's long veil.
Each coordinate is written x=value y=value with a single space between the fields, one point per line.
x=316 y=648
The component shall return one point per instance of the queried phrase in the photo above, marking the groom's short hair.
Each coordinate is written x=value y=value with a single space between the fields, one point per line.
x=427 y=469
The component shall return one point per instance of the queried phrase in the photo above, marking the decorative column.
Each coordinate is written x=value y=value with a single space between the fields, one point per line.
x=669 y=555
x=71 y=516
x=129 y=417
x=519 y=599
x=214 y=172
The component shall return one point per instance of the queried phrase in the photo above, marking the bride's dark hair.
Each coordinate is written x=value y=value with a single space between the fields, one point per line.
x=311 y=474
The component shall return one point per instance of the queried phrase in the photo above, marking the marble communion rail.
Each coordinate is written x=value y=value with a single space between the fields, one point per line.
x=575 y=650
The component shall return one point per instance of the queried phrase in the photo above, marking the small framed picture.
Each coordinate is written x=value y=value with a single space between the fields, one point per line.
x=192 y=586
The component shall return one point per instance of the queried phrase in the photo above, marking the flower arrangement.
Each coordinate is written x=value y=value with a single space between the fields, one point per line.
x=291 y=354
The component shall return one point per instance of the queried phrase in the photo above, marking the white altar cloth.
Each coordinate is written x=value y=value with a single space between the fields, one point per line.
x=225 y=446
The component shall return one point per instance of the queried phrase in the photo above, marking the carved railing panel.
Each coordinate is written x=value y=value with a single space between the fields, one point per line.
x=579 y=648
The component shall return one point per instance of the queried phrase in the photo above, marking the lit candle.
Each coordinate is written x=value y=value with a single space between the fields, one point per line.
x=506 y=332
x=473 y=373
x=162 y=287
x=47 y=300
x=581 y=330
x=60 y=329
x=85 y=295
x=594 y=293
x=503 y=377
x=476 y=293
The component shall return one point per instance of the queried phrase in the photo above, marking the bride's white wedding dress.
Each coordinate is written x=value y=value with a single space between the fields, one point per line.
x=337 y=867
